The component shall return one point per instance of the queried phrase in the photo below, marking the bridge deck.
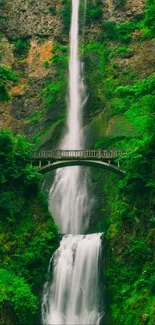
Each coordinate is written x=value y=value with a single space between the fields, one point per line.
x=78 y=154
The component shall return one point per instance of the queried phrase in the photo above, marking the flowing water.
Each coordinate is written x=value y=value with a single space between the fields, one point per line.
x=71 y=294
x=68 y=195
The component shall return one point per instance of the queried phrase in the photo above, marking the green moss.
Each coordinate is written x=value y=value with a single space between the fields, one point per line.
x=50 y=135
x=52 y=95
x=35 y=116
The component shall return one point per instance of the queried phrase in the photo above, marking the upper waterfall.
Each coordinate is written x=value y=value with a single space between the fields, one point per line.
x=68 y=195
x=76 y=88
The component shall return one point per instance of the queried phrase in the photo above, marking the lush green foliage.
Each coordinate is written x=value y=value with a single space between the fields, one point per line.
x=28 y=234
x=6 y=75
x=15 y=290
x=119 y=33
x=14 y=170
x=121 y=100
x=129 y=272
x=130 y=219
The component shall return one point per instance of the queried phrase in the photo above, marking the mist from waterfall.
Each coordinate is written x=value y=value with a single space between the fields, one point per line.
x=68 y=195
x=73 y=296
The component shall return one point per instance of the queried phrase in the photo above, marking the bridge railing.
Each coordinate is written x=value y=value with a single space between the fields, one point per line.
x=78 y=154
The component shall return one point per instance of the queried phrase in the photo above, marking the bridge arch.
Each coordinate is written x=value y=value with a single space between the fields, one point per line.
x=90 y=163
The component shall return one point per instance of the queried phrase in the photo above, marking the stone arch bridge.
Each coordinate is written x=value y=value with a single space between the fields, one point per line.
x=106 y=159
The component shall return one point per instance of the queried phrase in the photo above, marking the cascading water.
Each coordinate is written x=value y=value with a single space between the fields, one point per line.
x=68 y=195
x=71 y=296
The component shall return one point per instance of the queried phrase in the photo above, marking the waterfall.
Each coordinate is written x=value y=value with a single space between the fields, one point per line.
x=73 y=296
x=71 y=293
x=68 y=195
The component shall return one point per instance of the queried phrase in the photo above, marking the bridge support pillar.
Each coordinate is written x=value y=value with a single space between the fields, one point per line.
x=49 y=162
x=118 y=164
x=99 y=154
x=40 y=164
x=109 y=161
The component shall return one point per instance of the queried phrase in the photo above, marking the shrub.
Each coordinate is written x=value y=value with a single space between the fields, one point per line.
x=143 y=87
x=150 y=19
x=2 y=4
x=6 y=74
x=109 y=30
x=139 y=252
x=22 y=47
x=152 y=284
x=125 y=52
x=66 y=15
x=94 y=13
x=52 y=10
x=124 y=31
x=120 y=4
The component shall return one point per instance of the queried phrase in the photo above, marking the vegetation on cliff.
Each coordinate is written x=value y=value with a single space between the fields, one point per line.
x=121 y=110
x=119 y=113
x=28 y=234
x=129 y=272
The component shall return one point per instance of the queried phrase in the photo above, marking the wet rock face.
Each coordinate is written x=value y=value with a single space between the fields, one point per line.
x=26 y=18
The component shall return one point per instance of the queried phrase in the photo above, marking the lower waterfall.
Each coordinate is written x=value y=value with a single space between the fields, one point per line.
x=73 y=295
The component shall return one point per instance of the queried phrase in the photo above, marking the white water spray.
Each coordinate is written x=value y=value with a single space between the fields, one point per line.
x=73 y=296
x=68 y=195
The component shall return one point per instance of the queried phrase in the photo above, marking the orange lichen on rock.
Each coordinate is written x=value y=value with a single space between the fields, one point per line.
x=19 y=88
x=38 y=54
x=45 y=51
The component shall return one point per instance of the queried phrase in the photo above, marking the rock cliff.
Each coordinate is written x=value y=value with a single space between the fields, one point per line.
x=34 y=39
